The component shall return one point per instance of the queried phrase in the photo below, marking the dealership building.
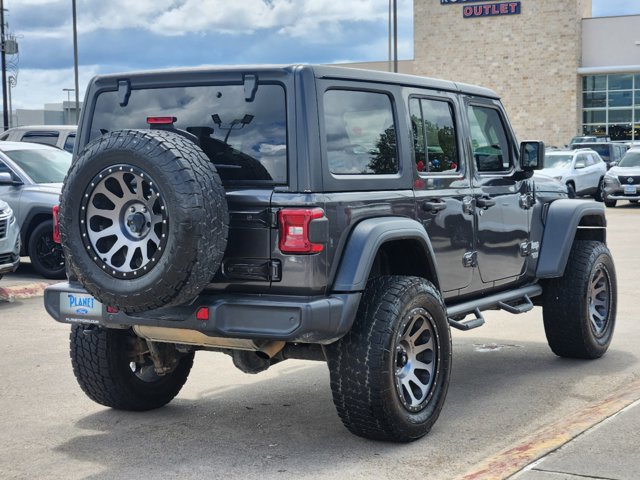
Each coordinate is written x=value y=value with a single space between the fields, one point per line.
x=559 y=71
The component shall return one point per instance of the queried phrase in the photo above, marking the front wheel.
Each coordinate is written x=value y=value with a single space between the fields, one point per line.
x=390 y=373
x=579 y=308
x=571 y=190
x=114 y=370
x=610 y=203
x=47 y=257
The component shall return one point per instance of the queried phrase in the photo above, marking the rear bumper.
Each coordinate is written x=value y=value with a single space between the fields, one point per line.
x=292 y=319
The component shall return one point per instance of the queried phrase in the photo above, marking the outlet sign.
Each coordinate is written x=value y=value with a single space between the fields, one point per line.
x=470 y=8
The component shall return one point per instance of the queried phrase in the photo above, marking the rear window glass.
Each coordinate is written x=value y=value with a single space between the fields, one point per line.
x=245 y=139
x=45 y=138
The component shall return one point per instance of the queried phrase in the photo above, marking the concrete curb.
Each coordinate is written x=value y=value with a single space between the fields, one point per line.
x=27 y=290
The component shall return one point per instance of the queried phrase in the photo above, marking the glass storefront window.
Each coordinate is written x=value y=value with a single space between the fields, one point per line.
x=620 y=99
x=620 y=116
x=620 y=131
x=594 y=116
x=593 y=83
x=611 y=105
x=621 y=82
x=594 y=100
x=594 y=129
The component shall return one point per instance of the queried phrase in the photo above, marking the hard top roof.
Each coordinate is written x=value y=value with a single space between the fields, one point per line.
x=320 y=71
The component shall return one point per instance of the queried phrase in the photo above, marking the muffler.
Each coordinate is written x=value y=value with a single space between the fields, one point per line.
x=265 y=349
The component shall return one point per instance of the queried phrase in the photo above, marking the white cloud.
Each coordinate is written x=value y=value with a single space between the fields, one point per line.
x=36 y=87
x=296 y=18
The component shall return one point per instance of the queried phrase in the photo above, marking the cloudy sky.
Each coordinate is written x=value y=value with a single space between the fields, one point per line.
x=122 y=35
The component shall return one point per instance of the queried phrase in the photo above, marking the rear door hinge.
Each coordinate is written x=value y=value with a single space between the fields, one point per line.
x=525 y=249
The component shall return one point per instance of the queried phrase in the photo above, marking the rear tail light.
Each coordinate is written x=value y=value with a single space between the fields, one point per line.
x=56 y=224
x=294 y=230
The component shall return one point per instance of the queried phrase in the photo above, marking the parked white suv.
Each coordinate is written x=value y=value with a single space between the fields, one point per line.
x=61 y=136
x=582 y=171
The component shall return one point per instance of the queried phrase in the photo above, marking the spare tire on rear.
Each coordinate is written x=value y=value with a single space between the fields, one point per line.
x=143 y=219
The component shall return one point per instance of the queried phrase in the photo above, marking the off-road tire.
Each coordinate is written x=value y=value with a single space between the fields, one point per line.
x=46 y=256
x=610 y=203
x=568 y=303
x=188 y=244
x=364 y=368
x=101 y=361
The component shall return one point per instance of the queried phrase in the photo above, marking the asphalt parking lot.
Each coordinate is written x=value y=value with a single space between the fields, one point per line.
x=506 y=385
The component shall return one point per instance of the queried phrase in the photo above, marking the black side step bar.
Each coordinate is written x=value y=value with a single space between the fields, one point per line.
x=513 y=301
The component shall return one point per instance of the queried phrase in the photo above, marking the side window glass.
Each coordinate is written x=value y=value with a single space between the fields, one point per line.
x=617 y=153
x=360 y=133
x=434 y=136
x=591 y=159
x=4 y=168
x=489 y=140
x=68 y=143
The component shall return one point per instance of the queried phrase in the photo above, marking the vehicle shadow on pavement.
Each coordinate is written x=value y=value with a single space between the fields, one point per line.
x=287 y=426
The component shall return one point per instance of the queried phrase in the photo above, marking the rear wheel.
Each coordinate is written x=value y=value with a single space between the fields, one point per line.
x=114 y=370
x=579 y=308
x=390 y=373
x=47 y=257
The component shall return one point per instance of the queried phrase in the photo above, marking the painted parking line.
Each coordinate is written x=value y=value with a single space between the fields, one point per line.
x=553 y=436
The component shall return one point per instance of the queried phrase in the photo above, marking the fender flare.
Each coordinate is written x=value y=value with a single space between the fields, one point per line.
x=561 y=224
x=364 y=242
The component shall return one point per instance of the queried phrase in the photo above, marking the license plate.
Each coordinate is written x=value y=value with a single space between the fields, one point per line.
x=630 y=189
x=80 y=305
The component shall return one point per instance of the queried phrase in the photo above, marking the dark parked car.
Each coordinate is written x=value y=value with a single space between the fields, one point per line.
x=610 y=152
x=313 y=212
x=31 y=178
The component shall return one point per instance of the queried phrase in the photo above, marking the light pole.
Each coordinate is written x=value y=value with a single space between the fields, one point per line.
x=75 y=59
x=68 y=90
x=5 y=113
x=393 y=35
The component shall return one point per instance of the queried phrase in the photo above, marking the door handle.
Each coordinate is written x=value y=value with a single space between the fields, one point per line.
x=485 y=202
x=434 y=206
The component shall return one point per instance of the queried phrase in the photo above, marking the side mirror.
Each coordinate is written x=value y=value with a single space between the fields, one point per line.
x=580 y=165
x=6 y=179
x=531 y=156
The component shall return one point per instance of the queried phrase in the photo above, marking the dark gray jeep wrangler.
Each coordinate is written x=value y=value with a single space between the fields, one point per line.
x=317 y=213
